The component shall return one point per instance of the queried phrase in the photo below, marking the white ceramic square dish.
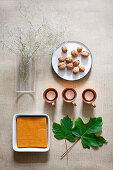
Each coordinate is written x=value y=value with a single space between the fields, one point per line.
x=29 y=149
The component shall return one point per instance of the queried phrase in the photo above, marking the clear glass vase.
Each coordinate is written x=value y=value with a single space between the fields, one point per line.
x=25 y=80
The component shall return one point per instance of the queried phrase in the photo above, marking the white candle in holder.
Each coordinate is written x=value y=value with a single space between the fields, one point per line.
x=51 y=95
x=69 y=94
x=89 y=95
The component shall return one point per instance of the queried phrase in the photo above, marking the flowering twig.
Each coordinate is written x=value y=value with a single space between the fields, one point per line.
x=27 y=41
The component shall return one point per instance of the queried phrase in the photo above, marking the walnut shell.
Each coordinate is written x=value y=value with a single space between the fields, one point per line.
x=79 y=48
x=62 y=66
x=75 y=70
x=85 y=53
x=74 y=53
x=68 y=59
x=70 y=66
x=81 y=68
x=76 y=62
x=61 y=59
x=64 y=49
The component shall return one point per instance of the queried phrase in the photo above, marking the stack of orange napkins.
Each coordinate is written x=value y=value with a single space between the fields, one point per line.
x=31 y=132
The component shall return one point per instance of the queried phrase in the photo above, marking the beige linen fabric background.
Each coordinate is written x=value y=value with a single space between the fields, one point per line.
x=91 y=22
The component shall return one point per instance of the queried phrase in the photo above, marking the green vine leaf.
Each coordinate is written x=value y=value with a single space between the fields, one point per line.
x=64 y=130
x=87 y=132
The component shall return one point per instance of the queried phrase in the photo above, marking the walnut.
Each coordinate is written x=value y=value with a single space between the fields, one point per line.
x=70 y=66
x=75 y=70
x=85 y=53
x=81 y=68
x=61 y=59
x=76 y=62
x=79 y=49
x=62 y=66
x=64 y=49
x=74 y=53
x=68 y=59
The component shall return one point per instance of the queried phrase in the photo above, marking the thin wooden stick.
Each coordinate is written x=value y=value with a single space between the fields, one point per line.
x=69 y=148
x=66 y=149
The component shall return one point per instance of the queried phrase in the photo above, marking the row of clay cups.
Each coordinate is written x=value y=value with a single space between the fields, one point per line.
x=69 y=95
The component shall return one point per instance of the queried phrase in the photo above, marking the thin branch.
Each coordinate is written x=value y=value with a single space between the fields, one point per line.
x=66 y=150
x=8 y=47
x=69 y=148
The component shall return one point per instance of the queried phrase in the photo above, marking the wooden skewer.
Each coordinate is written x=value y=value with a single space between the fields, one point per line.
x=70 y=148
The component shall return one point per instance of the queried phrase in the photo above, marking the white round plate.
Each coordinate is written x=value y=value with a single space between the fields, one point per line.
x=68 y=74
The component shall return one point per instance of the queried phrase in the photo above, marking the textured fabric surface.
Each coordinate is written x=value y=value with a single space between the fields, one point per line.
x=31 y=132
x=90 y=22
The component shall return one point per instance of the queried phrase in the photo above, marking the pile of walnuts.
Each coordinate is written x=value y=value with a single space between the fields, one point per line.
x=69 y=63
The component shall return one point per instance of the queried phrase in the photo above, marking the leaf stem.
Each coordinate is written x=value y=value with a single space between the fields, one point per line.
x=66 y=149
x=69 y=148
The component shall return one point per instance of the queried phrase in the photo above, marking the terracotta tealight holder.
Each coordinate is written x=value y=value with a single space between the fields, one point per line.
x=89 y=96
x=69 y=95
x=50 y=95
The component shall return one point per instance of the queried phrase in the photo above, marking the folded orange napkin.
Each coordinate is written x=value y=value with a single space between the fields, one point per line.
x=31 y=132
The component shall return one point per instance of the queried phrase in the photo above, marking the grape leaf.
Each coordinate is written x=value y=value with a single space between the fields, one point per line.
x=64 y=130
x=87 y=132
